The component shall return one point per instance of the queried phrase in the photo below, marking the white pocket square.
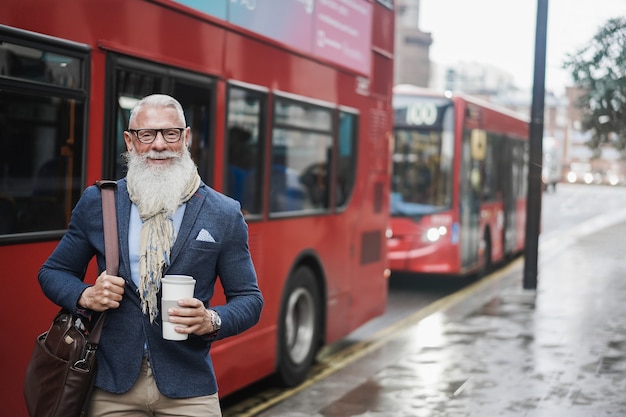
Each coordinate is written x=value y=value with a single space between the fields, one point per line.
x=205 y=236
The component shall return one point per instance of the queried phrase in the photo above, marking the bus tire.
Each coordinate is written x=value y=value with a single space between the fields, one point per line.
x=300 y=327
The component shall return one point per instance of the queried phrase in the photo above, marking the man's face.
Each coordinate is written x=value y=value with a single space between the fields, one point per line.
x=156 y=118
x=158 y=172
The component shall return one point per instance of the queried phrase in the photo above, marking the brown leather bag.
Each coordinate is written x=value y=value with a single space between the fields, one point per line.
x=62 y=368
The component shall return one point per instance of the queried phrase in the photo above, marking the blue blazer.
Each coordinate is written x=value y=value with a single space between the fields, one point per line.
x=181 y=368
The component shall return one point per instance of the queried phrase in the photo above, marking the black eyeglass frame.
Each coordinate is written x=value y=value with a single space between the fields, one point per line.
x=156 y=133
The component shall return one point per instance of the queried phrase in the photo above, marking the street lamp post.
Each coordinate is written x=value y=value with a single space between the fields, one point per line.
x=533 y=202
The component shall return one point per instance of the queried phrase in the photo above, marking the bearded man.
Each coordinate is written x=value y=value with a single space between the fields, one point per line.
x=169 y=222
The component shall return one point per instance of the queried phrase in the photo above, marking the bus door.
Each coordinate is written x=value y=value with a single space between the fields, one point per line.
x=508 y=197
x=472 y=152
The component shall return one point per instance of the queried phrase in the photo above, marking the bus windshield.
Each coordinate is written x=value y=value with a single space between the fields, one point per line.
x=423 y=156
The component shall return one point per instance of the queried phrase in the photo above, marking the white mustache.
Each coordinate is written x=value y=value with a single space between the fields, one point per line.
x=159 y=155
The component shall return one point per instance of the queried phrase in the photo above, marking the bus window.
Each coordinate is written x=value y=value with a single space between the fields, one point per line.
x=300 y=157
x=244 y=157
x=346 y=158
x=40 y=65
x=41 y=162
x=423 y=156
x=422 y=172
x=196 y=99
x=42 y=133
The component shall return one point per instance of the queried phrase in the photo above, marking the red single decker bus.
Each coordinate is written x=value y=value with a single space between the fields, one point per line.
x=458 y=198
x=290 y=112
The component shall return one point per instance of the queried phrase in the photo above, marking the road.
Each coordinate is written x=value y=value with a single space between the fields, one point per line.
x=572 y=205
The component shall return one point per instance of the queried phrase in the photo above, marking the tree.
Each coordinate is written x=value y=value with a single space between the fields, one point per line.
x=599 y=69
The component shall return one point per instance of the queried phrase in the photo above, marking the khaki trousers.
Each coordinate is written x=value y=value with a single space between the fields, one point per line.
x=144 y=399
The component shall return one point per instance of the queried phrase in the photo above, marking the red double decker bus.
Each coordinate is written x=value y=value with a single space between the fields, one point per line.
x=459 y=181
x=290 y=111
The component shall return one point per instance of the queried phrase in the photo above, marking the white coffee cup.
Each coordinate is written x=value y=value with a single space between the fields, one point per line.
x=174 y=287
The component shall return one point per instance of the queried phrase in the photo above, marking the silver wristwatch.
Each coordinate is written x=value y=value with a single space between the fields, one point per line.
x=216 y=321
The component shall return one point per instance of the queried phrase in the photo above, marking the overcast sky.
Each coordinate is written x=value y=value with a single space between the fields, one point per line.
x=502 y=33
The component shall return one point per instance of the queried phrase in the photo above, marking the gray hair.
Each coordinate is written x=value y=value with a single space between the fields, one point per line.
x=157 y=100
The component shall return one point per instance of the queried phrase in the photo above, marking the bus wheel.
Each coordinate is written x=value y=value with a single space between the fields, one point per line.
x=300 y=327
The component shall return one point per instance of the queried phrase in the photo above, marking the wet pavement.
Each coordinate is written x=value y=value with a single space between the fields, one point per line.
x=495 y=349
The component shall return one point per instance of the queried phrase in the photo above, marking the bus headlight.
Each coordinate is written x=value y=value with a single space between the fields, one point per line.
x=571 y=177
x=433 y=234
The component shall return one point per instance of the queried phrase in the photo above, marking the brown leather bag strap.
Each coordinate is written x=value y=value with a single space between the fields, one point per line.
x=111 y=247
x=109 y=219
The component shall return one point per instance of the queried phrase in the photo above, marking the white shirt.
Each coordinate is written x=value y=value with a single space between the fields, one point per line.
x=134 y=229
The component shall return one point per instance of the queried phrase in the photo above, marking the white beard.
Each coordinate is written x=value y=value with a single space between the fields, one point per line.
x=159 y=187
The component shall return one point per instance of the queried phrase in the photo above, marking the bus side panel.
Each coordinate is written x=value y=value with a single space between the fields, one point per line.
x=259 y=63
x=368 y=284
x=91 y=23
x=25 y=314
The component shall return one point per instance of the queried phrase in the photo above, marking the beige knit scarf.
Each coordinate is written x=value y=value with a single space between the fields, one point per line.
x=156 y=239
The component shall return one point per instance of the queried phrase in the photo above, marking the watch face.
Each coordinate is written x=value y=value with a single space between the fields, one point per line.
x=217 y=321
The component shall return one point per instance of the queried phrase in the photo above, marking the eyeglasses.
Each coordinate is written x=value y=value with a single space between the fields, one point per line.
x=170 y=134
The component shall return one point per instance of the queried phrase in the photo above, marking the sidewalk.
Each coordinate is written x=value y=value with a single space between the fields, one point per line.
x=495 y=349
